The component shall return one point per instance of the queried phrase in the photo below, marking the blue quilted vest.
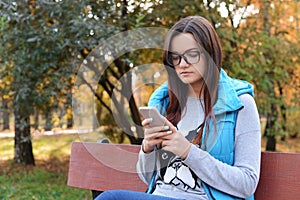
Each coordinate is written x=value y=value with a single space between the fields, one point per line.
x=220 y=144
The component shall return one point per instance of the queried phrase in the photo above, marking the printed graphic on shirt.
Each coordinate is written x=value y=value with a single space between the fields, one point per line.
x=175 y=172
x=178 y=174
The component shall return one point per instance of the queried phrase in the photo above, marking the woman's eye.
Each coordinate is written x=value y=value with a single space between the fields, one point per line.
x=175 y=57
x=193 y=54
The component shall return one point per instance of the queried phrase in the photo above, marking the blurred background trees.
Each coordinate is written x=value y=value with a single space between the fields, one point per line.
x=44 y=43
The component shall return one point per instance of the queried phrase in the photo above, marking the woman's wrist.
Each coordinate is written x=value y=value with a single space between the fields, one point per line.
x=186 y=152
x=146 y=149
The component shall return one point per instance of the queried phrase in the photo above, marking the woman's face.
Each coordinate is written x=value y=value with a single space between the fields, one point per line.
x=188 y=60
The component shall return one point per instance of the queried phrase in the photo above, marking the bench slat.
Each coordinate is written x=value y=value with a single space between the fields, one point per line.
x=279 y=177
x=103 y=167
x=98 y=166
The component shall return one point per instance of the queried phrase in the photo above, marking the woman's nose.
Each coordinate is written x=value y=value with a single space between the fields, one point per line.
x=183 y=63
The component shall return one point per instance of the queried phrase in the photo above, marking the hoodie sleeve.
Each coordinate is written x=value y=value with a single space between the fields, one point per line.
x=146 y=165
x=242 y=178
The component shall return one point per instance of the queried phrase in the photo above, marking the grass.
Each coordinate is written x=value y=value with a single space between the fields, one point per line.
x=291 y=145
x=47 y=179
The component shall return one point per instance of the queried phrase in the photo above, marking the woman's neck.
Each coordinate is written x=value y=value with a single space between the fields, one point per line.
x=195 y=90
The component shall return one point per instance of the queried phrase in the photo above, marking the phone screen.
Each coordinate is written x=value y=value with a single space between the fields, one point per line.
x=152 y=112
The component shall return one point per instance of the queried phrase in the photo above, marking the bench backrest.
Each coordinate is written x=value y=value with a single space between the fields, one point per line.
x=98 y=166
x=101 y=167
x=279 y=176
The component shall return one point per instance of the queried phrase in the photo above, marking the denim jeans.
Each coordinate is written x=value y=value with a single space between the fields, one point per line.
x=132 y=195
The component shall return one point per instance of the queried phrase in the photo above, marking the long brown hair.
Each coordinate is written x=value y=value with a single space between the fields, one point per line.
x=208 y=40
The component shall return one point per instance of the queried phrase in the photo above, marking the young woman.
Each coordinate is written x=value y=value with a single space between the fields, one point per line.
x=209 y=146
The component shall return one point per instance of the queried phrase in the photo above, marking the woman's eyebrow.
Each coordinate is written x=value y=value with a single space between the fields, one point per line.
x=176 y=52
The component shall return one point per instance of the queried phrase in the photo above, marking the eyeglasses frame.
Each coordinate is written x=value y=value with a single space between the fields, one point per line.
x=184 y=57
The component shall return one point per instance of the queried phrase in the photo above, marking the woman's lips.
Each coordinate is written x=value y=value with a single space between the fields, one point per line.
x=185 y=73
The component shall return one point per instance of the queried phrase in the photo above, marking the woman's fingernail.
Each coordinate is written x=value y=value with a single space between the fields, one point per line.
x=166 y=127
x=169 y=132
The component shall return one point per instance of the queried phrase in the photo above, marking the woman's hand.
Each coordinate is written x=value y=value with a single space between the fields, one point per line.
x=166 y=137
x=153 y=135
x=176 y=142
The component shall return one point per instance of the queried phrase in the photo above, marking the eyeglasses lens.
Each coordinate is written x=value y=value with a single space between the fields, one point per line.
x=191 y=57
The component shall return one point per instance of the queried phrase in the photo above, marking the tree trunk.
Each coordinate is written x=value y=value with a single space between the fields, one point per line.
x=36 y=119
x=48 y=118
x=272 y=113
x=70 y=122
x=137 y=121
x=69 y=111
x=283 y=111
x=128 y=94
x=5 y=115
x=269 y=130
x=271 y=143
x=23 y=145
x=99 y=109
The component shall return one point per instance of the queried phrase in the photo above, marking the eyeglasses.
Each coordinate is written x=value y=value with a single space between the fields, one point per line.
x=191 y=56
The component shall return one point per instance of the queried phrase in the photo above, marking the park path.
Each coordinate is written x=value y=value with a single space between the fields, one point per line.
x=54 y=132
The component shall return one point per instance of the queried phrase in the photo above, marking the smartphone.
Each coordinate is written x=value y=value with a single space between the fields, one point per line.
x=152 y=112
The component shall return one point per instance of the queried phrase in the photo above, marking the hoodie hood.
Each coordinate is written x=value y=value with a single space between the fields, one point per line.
x=229 y=90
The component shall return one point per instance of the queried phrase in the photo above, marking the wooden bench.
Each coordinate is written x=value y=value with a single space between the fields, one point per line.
x=100 y=167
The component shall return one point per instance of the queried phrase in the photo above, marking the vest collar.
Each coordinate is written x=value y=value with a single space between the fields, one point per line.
x=228 y=91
